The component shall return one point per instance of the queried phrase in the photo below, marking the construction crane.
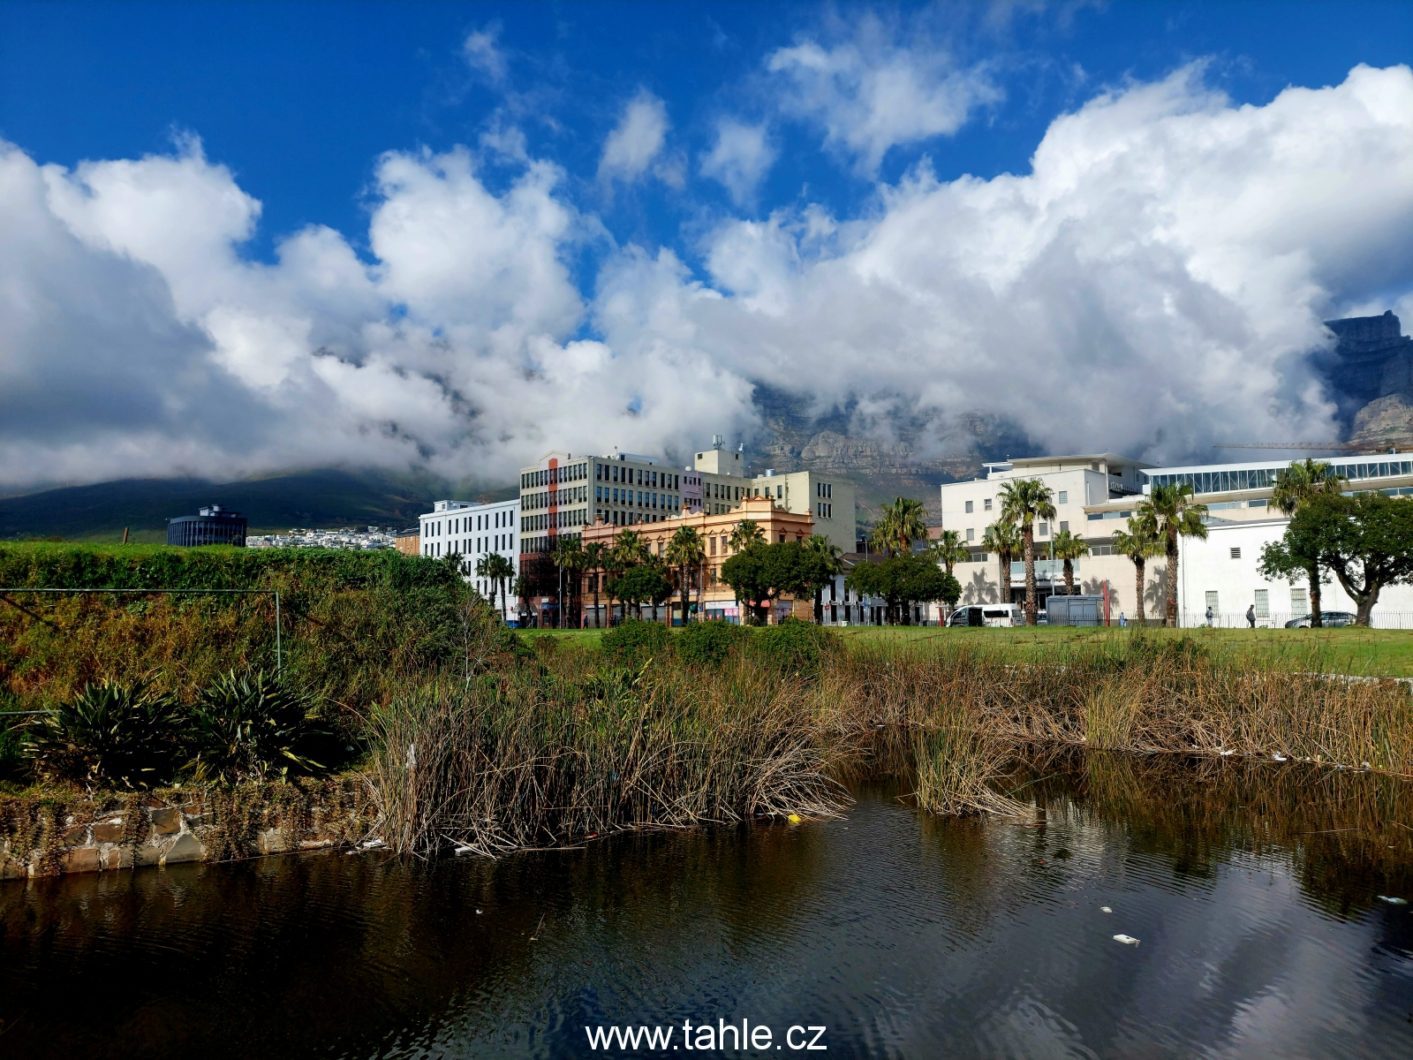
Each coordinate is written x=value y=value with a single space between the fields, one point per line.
x=1334 y=447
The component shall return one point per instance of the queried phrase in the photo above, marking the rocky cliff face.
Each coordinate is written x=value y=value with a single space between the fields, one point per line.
x=1371 y=373
x=907 y=456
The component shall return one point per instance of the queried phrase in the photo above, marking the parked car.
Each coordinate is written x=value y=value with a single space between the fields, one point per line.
x=1328 y=618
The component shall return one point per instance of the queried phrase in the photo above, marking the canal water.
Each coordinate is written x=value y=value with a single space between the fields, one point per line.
x=1256 y=902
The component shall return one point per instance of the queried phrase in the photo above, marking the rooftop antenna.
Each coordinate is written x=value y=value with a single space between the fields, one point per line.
x=717 y=441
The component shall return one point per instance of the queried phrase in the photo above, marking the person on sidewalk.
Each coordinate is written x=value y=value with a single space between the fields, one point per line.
x=1251 y=617
x=1210 y=615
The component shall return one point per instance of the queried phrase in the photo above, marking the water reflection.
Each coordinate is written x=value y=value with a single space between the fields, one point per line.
x=1253 y=889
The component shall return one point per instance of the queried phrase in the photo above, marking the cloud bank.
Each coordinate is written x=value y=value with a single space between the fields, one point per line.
x=1155 y=282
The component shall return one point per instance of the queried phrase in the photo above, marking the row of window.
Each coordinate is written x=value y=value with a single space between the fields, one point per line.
x=636 y=476
x=824 y=510
x=1062 y=497
x=567 y=495
x=1255 y=478
x=463 y=524
x=1041 y=530
x=554 y=475
x=469 y=546
x=556 y=520
x=824 y=490
x=642 y=498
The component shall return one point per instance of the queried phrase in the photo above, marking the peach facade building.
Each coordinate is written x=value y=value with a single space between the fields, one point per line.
x=715 y=599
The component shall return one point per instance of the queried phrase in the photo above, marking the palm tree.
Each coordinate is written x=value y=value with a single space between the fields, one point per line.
x=595 y=557
x=629 y=550
x=569 y=558
x=902 y=522
x=1173 y=515
x=1140 y=543
x=1296 y=487
x=745 y=534
x=1069 y=548
x=497 y=570
x=687 y=553
x=1004 y=539
x=948 y=550
x=828 y=566
x=1022 y=502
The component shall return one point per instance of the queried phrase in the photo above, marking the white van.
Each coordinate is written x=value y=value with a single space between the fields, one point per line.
x=986 y=615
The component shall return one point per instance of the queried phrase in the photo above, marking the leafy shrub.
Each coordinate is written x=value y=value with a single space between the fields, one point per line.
x=635 y=642
x=710 y=643
x=110 y=734
x=794 y=646
x=249 y=726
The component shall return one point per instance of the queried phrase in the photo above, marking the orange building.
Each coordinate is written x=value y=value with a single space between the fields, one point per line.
x=714 y=598
x=409 y=542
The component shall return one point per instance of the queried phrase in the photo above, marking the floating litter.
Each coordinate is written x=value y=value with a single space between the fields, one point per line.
x=1127 y=940
x=794 y=818
x=1105 y=909
x=1393 y=901
x=1279 y=757
x=478 y=912
x=1227 y=754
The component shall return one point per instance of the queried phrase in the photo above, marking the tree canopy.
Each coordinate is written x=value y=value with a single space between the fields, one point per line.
x=904 y=580
x=761 y=574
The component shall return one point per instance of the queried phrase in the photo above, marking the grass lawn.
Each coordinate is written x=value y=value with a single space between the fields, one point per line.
x=1365 y=652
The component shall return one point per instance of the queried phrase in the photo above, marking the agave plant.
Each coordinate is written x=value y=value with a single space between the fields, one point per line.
x=252 y=725
x=109 y=735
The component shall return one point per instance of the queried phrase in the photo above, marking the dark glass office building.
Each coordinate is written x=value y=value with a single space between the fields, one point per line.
x=212 y=526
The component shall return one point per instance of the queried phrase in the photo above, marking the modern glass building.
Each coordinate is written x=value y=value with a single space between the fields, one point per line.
x=212 y=525
x=1232 y=478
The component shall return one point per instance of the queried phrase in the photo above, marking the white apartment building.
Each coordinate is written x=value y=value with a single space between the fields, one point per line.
x=1076 y=483
x=473 y=531
x=562 y=493
x=1095 y=495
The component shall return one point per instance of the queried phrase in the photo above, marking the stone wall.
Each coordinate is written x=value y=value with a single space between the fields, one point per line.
x=53 y=835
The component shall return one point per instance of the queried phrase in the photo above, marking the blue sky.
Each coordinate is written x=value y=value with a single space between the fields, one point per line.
x=299 y=99
x=661 y=182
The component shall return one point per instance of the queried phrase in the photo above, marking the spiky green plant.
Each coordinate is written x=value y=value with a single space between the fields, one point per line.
x=110 y=735
x=252 y=725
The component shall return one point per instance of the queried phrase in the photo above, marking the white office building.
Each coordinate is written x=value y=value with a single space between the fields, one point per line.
x=473 y=531
x=1094 y=497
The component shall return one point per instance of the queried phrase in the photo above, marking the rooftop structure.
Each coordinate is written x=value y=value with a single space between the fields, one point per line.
x=212 y=525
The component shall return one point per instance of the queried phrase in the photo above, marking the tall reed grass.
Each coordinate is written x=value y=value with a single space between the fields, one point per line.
x=531 y=757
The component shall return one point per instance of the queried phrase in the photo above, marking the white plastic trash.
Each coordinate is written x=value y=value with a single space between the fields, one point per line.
x=1127 y=940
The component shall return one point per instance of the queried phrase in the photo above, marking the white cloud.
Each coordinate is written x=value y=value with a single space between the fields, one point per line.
x=870 y=93
x=739 y=159
x=482 y=52
x=636 y=141
x=1154 y=283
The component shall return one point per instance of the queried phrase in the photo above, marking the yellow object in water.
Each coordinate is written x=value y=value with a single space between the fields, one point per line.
x=794 y=818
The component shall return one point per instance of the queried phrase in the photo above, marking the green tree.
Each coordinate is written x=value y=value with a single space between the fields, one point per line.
x=949 y=550
x=595 y=555
x=1066 y=546
x=1365 y=541
x=1140 y=543
x=629 y=551
x=824 y=555
x=762 y=574
x=1295 y=487
x=745 y=534
x=687 y=552
x=498 y=570
x=1022 y=502
x=642 y=583
x=902 y=581
x=1004 y=539
x=901 y=523
x=569 y=558
x=1173 y=514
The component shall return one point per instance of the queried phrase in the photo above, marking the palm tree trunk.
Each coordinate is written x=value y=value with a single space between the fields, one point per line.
x=1003 y=559
x=1314 y=575
x=686 y=593
x=1139 y=567
x=819 y=605
x=1172 y=578
x=1028 y=537
x=598 y=618
x=1069 y=578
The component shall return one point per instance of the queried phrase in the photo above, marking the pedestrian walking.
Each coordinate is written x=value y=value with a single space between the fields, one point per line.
x=1210 y=614
x=1251 y=617
x=1123 y=620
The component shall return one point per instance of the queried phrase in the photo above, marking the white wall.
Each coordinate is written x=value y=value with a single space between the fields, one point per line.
x=1207 y=566
x=474 y=531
